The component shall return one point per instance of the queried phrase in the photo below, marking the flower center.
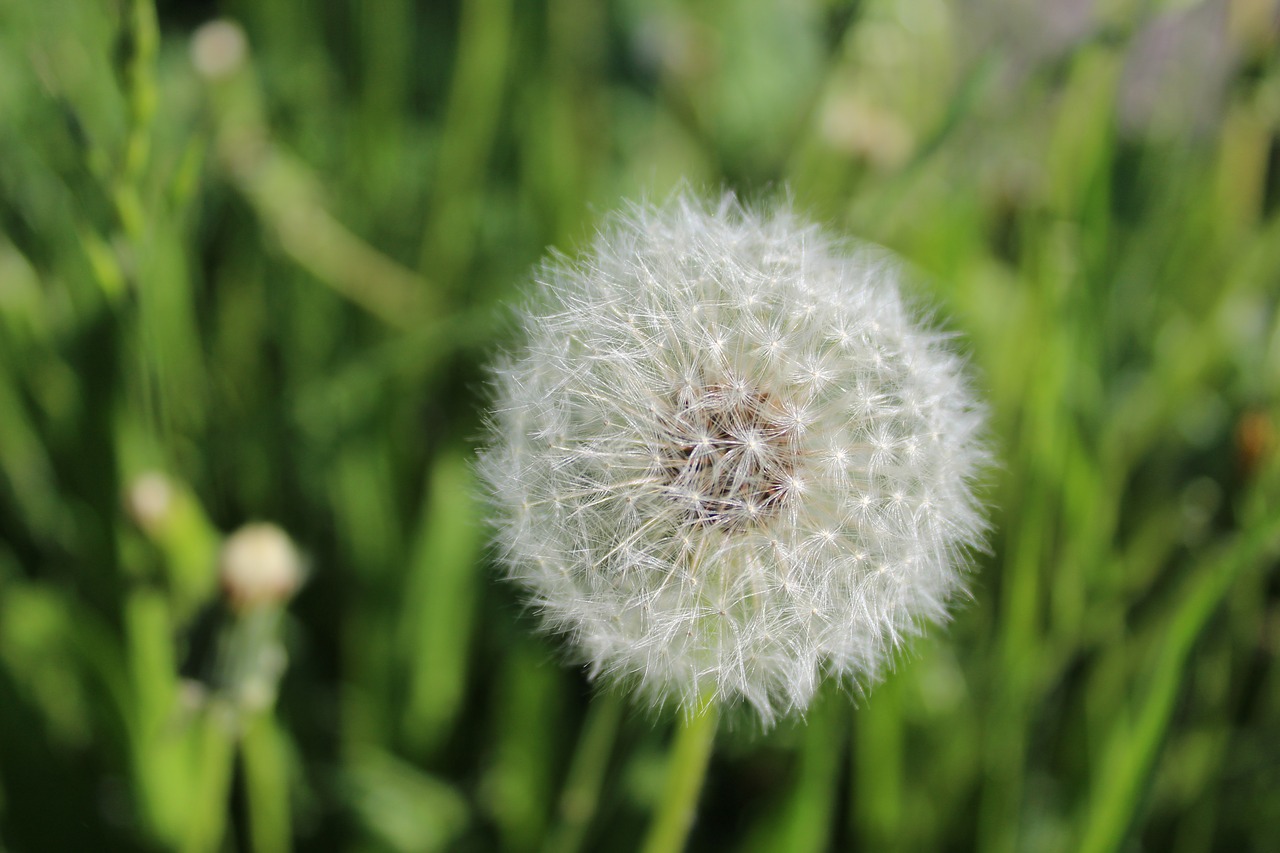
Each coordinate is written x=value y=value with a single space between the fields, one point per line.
x=727 y=458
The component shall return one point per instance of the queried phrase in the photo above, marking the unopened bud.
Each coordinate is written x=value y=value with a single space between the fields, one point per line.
x=259 y=565
x=218 y=49
x=150 y=500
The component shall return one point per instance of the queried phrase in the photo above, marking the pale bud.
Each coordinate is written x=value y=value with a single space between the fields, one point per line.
x=150 y=500
x=218 y=49
x=259 y=565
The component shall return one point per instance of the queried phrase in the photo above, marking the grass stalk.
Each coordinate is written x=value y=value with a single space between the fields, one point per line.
x=581 y=794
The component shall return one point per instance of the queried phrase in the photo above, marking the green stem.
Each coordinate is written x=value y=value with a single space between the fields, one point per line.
x=688 y=767
x=266 y=783
x=144 y=32
x=586 y=774
x=211 y=780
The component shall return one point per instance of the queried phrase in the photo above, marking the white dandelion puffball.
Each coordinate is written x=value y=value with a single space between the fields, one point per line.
x=727 y=461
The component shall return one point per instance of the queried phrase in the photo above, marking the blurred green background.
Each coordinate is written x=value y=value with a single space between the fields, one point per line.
x=252 y=272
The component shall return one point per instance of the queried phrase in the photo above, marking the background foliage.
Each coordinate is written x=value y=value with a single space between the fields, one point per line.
x=275 y=280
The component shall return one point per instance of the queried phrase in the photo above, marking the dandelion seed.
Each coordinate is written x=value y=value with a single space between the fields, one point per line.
x=726 y=461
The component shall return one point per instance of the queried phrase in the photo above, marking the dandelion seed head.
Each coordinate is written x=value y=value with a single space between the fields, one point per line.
x=726 y=460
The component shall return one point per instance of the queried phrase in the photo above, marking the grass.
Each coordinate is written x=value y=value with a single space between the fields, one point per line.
x=278 y=287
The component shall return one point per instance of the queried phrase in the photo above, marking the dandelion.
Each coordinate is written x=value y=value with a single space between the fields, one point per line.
x=727 y=460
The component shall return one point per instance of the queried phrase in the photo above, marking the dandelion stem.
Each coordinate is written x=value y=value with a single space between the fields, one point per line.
x=586 y=774
x=688 y=767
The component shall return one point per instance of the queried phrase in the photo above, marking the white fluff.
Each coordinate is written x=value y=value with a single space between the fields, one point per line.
x=726 y=461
